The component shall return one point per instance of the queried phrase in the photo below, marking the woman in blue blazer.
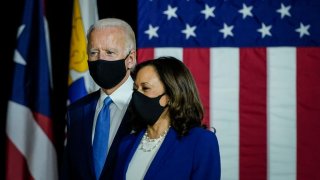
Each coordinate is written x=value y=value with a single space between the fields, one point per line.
x=168 y=139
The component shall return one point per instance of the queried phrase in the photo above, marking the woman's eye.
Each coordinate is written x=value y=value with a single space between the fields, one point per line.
x=140 y=88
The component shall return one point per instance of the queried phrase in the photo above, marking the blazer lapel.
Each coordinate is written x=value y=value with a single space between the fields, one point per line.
x=133 y=150
x=165 y=148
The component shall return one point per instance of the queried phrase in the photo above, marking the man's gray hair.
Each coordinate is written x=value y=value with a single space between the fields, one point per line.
x=118 y=23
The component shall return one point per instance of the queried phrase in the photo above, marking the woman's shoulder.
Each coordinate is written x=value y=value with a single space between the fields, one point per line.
x=202 y=135
x=204 y=141
x=200 y=131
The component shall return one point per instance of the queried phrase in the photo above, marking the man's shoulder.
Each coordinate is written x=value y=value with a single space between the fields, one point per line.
x=85 y=100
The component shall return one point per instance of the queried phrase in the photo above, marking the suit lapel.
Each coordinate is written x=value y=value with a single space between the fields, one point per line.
x=87 y=119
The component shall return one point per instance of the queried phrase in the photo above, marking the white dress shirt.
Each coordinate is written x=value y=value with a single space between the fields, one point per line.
x=120 y=101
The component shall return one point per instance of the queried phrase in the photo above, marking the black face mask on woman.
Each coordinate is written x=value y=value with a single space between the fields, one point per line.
x=107 y=74
x=149 y=109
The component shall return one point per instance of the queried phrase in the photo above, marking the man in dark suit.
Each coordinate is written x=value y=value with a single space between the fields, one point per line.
x=111 y=57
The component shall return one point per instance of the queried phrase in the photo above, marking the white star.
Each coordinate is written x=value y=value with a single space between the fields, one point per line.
x=303 y=30
x=18 y=58
x=208 y=11
x=152 y=31
x=245 y=11
x=226 y=30
x=265 y=30
x=189 y=31
x=171 y=12
x=20 y=30
x=284 y=11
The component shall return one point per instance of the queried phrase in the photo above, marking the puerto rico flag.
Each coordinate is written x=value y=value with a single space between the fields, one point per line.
x=31 y=153
x=257 y=67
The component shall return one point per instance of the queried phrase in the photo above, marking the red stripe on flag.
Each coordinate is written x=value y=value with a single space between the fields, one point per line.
x=145 y=54
x=198 y=62
x=16 y=165
x=308 y=113
x=252 y=109
x=46 y=125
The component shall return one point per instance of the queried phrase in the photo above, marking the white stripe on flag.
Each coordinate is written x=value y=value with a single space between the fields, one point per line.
x=174 y=52
x=281 y=113
x=89 y=13
x=32 y=142
x=224 y=105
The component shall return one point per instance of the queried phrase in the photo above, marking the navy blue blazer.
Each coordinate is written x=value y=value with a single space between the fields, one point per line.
x=195 y=156
x=78 y=157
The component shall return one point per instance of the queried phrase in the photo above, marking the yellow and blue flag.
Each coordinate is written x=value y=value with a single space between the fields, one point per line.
x=80 y=82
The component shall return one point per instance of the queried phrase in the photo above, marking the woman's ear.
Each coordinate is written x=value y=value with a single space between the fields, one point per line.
x=164 y=100
x=168 y=100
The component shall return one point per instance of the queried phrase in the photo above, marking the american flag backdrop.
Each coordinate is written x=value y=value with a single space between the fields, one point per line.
x=257 y=67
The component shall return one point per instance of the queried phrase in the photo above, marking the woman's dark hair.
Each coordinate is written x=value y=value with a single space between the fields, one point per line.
x=185 y=108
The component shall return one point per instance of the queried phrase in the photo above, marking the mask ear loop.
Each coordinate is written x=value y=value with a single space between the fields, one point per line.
x=126 y=58
x=127 y=55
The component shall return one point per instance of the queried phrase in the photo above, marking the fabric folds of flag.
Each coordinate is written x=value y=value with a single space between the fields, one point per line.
x=80 y=83
x=31 y=152
x=257 y=68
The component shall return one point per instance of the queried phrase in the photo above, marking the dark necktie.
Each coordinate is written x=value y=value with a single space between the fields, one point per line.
x=101 y=137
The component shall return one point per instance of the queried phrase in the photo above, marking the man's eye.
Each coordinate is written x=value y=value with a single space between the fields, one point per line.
x=93 y=53
x=109 y=52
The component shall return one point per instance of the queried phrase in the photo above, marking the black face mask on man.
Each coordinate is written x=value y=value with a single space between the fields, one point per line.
x=149 y=109
x=107 y=74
